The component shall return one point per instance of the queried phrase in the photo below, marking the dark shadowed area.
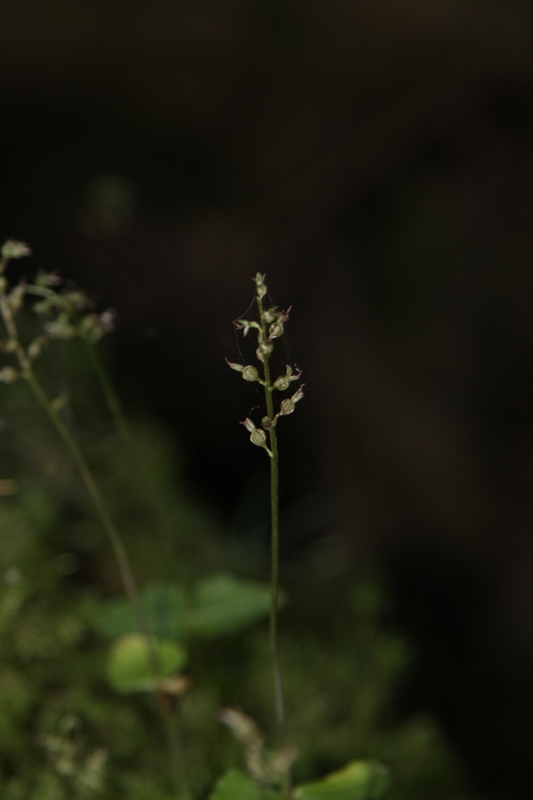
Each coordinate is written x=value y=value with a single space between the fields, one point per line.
x=375 y=160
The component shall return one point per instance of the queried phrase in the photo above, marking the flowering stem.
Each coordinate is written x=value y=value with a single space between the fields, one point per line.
x=279 y=695
x=270 y=327
x=274 y=539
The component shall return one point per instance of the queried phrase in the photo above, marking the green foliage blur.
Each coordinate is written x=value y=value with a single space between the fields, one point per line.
x=66 y=733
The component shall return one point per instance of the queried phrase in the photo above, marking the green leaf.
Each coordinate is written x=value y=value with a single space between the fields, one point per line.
x=235 y=785
x=224 y=604
x=129 y=668
x=164 y=609
x=358 y=780
x=220 y=604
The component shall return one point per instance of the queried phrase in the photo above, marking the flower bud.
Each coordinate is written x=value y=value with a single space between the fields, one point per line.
x=257 y=435
x=44 y=307
x=283 y=381
x=267 y=423
x=89 y=328
x=264 y=350
x=8 y=375
x=245 y=325
x=261 y=288
x=276 y=330
x=270 y=315
x=16 y=296
x=250 y=374
x=60 y=328
x=287 y=405
x=34 y=349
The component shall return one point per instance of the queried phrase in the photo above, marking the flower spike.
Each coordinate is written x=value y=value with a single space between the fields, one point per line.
x=268 y=327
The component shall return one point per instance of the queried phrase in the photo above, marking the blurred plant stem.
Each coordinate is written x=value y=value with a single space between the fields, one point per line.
x=10 y=303
x=144 y=478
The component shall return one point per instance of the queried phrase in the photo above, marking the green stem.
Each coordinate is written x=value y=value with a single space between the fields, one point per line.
x=94 y=493
x=113 y=403
x=145 y=480
x=46 y=404
x=122 y=560
x=121 y=557
x=274 y=582
x=274 y=527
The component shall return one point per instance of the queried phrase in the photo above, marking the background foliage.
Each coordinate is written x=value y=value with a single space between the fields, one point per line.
x=375 y=160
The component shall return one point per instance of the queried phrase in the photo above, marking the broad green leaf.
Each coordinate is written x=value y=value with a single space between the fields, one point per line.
x=219 y=604
x=235 y=785
x=224 y=604
x=163 y=605
x=358 y=780
x=129 y=667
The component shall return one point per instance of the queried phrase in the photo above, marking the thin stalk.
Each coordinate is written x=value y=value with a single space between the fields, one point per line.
x=113 y=403
x=123 y=429
x=124 y=567
x=270 y=327
x=99 y=504
x=274 y=539
x=94 y=493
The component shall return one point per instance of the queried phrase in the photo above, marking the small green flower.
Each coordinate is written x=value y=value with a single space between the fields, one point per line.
x=287 y=405
x=15 y=298
x=270 y=327
x=259 y=282
x=257 y=435
x=282 y=383
x=35 y=348
x=264 y=350
x=9 y=375
x=267 y=423
x=270 y=315
x=60 y=328
x=249 y=373
x=245 y=325
x=275 y=330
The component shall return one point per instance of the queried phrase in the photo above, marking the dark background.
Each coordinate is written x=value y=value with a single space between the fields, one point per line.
x=375 y=160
